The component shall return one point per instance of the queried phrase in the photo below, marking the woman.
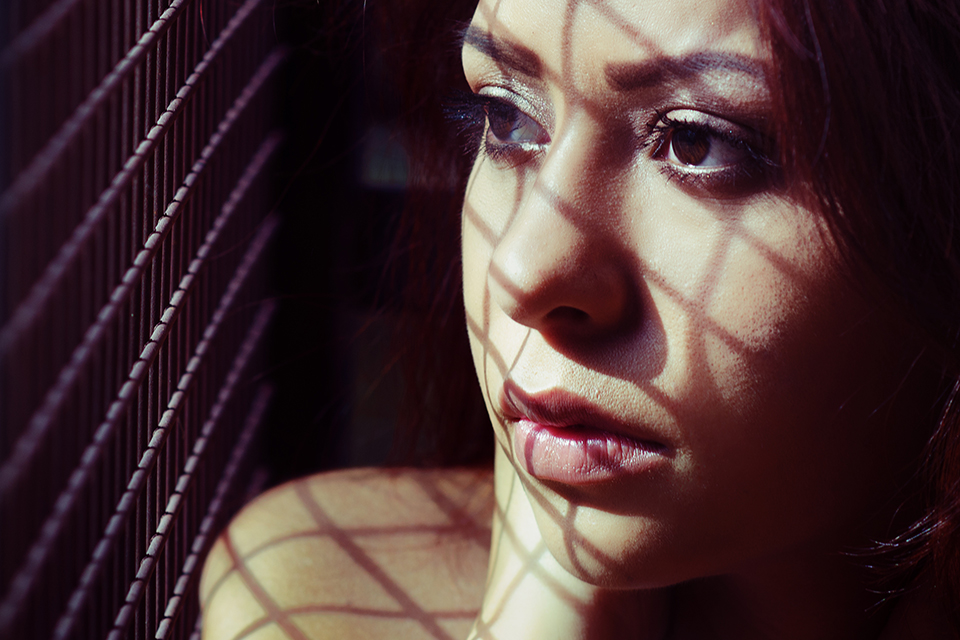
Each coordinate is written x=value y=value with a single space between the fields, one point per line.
x=711 y=299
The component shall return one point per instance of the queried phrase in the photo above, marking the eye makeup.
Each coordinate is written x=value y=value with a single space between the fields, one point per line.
x=703 y=151
x=496 y=127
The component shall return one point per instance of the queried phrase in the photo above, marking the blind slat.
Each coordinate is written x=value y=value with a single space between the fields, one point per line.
x=37 y=172
x=215 y=515
x=39 y=30
x=26 y=313
x=135 y=202
x=39 y=425
x=26 y=579
x=162 y=535
x=171 y=416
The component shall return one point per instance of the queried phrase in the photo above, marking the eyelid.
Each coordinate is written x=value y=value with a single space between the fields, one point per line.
x=499 y=112
x=724 y=128
x=737 y=179
x=529 y=102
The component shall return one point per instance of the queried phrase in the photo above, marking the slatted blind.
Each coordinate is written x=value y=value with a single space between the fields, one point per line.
x=136 y=145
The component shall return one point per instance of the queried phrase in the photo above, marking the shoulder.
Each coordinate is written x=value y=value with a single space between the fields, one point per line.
x=357 y=553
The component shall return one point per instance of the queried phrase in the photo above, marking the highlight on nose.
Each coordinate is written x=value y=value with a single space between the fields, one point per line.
x=553 y=278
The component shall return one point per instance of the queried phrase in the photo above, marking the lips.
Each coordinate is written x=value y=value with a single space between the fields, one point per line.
x=560 y=437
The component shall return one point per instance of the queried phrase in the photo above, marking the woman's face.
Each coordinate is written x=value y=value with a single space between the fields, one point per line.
x=669 y=350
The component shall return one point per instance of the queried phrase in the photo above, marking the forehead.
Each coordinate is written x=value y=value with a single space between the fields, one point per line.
x=579 y=40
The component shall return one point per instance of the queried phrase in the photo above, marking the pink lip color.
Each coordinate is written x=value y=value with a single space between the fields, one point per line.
x=558 y=437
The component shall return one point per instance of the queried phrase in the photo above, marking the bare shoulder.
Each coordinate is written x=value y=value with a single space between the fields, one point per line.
x=361 y=553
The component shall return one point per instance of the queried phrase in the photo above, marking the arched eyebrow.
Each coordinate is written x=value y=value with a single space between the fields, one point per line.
x=509 y=54
x=660 y=71
x=621 y=77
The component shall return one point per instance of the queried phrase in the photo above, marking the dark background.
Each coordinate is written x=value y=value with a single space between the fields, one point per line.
x=342 y=192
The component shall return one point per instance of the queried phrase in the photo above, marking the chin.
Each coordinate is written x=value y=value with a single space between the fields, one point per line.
x=613 y=551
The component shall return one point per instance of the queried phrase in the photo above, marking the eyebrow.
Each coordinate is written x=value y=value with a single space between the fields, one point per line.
x=632 y=76
x=517 y=57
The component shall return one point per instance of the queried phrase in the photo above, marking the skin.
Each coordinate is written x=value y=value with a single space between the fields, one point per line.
x=358 y=553
x=710 y=315
x=706 y=312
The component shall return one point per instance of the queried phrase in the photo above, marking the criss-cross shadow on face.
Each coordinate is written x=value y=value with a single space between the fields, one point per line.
x=641 y=333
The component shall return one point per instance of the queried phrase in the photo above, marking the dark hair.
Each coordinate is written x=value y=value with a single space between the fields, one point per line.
x=868 y=113
x=441 y=385
x=867 y=117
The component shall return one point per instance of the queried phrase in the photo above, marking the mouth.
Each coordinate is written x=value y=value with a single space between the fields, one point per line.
x=560 y=437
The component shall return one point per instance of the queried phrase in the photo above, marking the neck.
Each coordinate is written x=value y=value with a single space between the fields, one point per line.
x=813 y=595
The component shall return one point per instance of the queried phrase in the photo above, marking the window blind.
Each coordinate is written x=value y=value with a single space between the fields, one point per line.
x=137 y=140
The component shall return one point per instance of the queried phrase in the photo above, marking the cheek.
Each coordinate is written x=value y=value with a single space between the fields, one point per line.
x=784 y=334
x=741 y=293
x=491 y=202
x=488 y=207
x=481 y=227
x=771 y=365
x=778 y=369
x=803 y=442
x=476 y=258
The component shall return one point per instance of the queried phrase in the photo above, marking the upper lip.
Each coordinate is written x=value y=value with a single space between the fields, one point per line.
x=558 y=408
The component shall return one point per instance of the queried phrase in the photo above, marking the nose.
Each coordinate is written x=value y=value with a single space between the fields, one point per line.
x=560 y=266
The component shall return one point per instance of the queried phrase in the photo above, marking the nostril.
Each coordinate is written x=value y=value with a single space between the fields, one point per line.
x=568 y=314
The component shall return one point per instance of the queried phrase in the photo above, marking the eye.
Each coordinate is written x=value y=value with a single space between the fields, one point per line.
x=693 y=140
x=702 y=149
x=508 y=125
x=495 y=127
x=706 y=152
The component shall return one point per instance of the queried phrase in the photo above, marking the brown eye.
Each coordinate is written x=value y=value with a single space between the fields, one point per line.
x=709 y=154
x=690 y=147
x=701 y=144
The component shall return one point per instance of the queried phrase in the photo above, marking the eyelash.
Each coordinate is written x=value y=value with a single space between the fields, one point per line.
x=752 y=172
x=756 y=170
x=470 y=114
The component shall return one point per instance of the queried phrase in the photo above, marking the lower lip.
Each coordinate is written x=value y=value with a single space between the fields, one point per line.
x=581 y=455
